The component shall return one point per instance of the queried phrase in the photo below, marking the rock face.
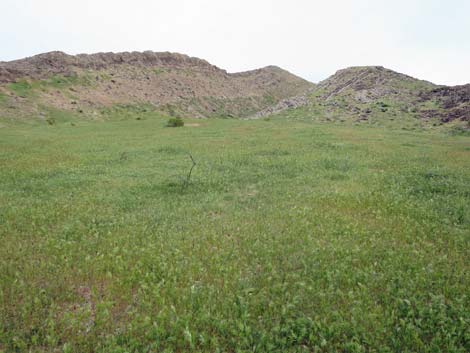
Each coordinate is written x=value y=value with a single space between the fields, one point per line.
x=453 y=101
x=170 y=82
x=285 y=104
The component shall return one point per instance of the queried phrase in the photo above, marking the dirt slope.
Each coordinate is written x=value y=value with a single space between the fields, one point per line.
x=170 y=82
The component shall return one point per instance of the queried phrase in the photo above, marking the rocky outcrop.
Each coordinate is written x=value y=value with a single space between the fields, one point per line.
x=285 y=104
x=454 y=103
x=54 y=63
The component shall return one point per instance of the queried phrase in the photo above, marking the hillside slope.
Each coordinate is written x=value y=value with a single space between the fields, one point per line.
x=170 y=82
x=450 y=103
x=364 y=92
x=374 y=94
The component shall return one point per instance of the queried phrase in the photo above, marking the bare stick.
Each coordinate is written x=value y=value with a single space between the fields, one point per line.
x=190 y=171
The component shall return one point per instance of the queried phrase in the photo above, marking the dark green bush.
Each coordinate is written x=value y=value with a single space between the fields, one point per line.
x=175 y=122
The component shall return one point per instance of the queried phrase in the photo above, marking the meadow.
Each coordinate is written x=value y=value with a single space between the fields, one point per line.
x=290 y=236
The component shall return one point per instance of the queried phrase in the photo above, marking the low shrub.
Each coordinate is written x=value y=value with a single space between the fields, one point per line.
x=175 y=122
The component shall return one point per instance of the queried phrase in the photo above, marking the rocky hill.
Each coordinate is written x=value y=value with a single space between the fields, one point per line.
x=90 y=85
x=173 y=83
x=374 y=93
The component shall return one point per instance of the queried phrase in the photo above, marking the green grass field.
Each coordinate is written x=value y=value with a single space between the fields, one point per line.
x=292 y=236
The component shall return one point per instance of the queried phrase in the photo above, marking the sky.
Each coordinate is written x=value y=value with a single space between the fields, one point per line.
x=427 y=39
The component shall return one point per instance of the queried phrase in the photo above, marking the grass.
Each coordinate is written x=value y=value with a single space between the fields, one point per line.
x=23 y=89
x=3 y=98
x=130 y=111
x=62 y=82
x=292 y=236
x=30 y=89
x=159 y=71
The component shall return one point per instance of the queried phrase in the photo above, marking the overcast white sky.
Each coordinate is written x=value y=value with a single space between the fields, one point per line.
x=428 y=39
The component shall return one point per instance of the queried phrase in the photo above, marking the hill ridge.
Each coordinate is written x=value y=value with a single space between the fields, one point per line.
x=179 y=84
x=58 y=62
x=171 y=82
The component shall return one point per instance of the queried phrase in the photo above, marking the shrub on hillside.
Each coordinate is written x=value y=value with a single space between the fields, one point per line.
x=175 y=122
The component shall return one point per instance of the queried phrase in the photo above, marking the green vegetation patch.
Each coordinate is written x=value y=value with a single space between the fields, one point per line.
x=29 y=89
x=159 y=71
x=130 y=112
x=23 y=89
x=175 y=122
x=3 y=98
x=61 y=81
